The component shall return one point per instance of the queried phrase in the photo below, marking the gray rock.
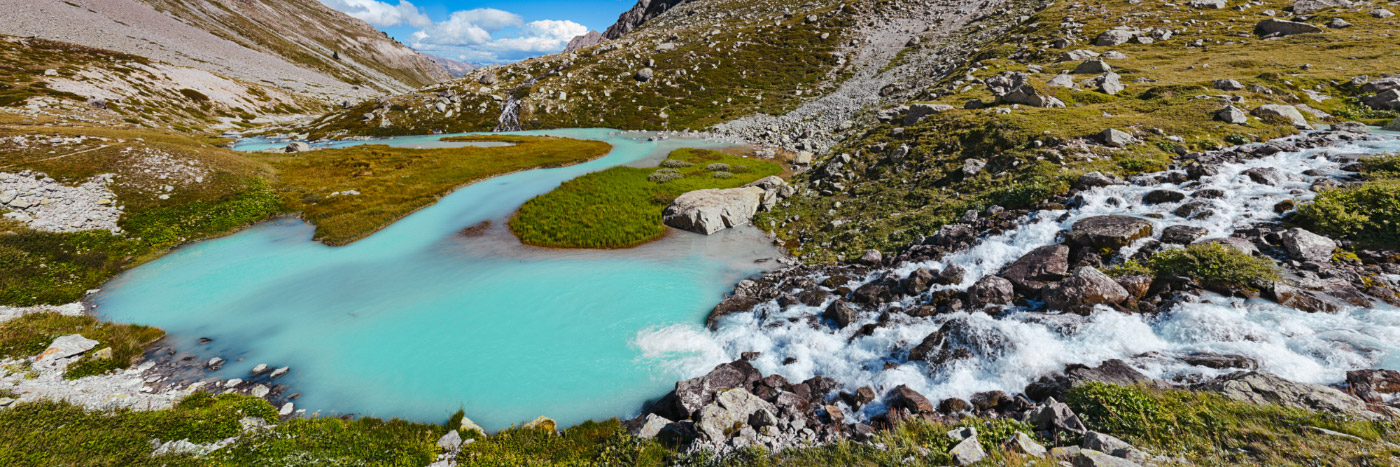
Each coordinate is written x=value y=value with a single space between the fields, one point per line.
x=1029 y=273
x=1092 y=67
x=1275 y=27
x=1182 y=234
x=66 y=346
x=1258 y=387
x=1233 y=115
x=1024 y=444
x=1309 y=6
x=1381 y=13
x=1096 y=180
x=1387 y=100
x=1082 y=291
x=1338 y=23
x=1265 y=176
x=1090 y=458
x=1062 y=81
x=450 y=441
x=1228 y=85
x=653 y=425
x=1115 y=138
x=842 y=313
x=1078 y=55
x=1096 y=441
x=297 y=147
x=645 y=74
x=1210 y=4
x=1110 y=232
x=713 y=210
x=1114 y=37
x=1287 y=113
x=1015 y=88
x=1056 y=417
x=1394 y=125
x=917 y=112
x=731 y=409
x=1109 y=83
x=968 y=452
x=991 y=290
x=973 y=167
x=872 y=257
x=1307 y=246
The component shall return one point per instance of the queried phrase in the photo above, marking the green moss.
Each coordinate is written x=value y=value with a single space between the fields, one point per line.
x=621 y=207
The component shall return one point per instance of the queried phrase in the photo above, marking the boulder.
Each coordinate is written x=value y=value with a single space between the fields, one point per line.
x=1062 y=81
x=713 y=210
x=973 y=167
x=917 y=282
x=1394 y=125
x=1307 y=246
x=1265 y=176
x=1258 y=387
x=652 y=426
x=1110 y=232
x=1092 y=66
x=1095 y=180
x=959 y=339
x=1115 y=138
x=840 y=312
x=967 y=452
x=1210 y=4
x=902 y=397
x=872 y=258
x=1091 y=458
x=1232 y=115
x=917 y=112
x=450 y=441
x=1024 y=444
x=991 y=290
x=1015 y=88
x=731 y=410
x=1109 y=83
x=645 y=74
x=66 y=346
x=1029 y=273
x=1286 y=113
x=694 y=394
x=1114 y=37
x=1387 y=100
x=1182 y=234
x=1078 y=55
x=1309 y=6
x=1163 y=196
x=1084 y=290
x=1373 y=385
x=297 y=147
x=1115 y=447
x=1277 y=27
x=1056 y=417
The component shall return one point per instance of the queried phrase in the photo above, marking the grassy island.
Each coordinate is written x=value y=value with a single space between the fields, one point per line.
x=387 y=183
x=621 y=207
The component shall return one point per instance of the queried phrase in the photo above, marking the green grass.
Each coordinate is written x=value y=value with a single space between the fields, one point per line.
x=1215 y=266
x=395 y=182
x=30 y=334
x=1368 y=212
x=621 y=207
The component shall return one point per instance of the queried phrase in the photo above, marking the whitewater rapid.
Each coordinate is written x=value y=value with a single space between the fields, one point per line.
x=1308 y=347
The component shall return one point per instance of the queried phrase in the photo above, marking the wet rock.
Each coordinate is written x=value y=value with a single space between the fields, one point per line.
x=1163 y=196
x=1137 y=286
x=1030 y=273
x=1095 y=180
x=992 y=290
x=709 y=211
x=840 y=312
x=1258 y=387
x=1081 y=292
x=1110 y=232
x=918 y=281
x=954 y=406
x=959 y=339
x=1299 y=299
x=1195 y=210
x=1221 y=361
x=904 y=398
x=1307 y=246
x=1374 y=386
x=1112 y=371
x=1182 y=234
x=691 y=395
x=952 y=275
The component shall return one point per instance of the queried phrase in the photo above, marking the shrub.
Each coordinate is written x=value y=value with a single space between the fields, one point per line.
x=675 y=164
x=722 y=174
x=717 y=167
x=664 y=175
x=1369 y=213
x=1214 y=264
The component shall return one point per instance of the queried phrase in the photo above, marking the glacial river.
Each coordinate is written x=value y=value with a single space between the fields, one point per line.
x=417 y=321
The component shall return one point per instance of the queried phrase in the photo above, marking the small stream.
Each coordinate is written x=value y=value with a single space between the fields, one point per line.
x=417 y=320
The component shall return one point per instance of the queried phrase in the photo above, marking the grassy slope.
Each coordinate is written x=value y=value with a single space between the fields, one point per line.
x=706 y=79
x=31 y=334
x=394 y=182
x=888 y=206
x=1202 y=428
x=620 y=207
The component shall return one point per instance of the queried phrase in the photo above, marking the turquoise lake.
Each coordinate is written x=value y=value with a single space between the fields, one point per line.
x=417 y=320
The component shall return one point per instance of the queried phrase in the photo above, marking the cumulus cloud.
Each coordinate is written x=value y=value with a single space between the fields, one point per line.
x=382 y=14
x=481 y=35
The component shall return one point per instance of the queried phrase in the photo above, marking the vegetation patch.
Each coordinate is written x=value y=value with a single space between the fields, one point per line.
x=1368 y=212
x=621 y=207
x=393 y=182
x=1215 y=266
x=29 y=335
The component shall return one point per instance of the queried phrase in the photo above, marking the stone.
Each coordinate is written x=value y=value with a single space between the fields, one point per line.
x=1081 y=292
x=1015 y=88
x=1078 y=55
x=1309 y=6
x=259 y=391
x=1258 y=387
x=973 y=167
x=468 y=426
x=644 y=75
x=961 y=338
x=1210 y=4
x=1092 y=66
x=287 y=409
x=1387 y=100
x=1115 y=138
x=214 y=364
x=1056 y=417
x=541 y=423
x=803 y=158
x=1286 y=113
x=652 y=426
x=902 y=397
x=1029 y=273
x=1090 y=458
x=713 y=210
x=1110 y=232
x=1095 y=180
x=1024 y=444
x=840 y=312
x=1109 y=83
x=1163 y=196
x=1228 y=85
x=1373 y=385
x=1182 y=234
x=66 y=346
x=1096 y=441
x=991 y=290
x=1232 y=115
x=968 y=452
x=1351 y=127
x=1277 y=27
x=1394 y=125
x=1114 y=37
x=732 y=408
x=259 y=369
x=1338 y=23
x=1265 y=176
x=1381 y=13
x=872 y=257
x=1307 y=246
x=297 y=147
x=1062 y=81
x=952 y=275
x=450 y=441
x=917 y=112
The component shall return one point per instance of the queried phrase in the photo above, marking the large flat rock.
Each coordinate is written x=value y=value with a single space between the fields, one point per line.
x=710 y=211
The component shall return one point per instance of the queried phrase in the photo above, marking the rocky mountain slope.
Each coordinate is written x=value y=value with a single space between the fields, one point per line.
x=301 y=47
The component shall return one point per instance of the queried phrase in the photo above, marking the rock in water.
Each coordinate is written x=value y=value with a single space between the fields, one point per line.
x=1085 y=289
x=1307 y=246
x=1029 y=273
x=991 y=290
x=710 y=211
x=1110 y=231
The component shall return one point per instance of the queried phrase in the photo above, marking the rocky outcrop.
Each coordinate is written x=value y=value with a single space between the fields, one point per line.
x=1016 y=88
x=643 y=11
x=1307 y=246
x=1258 y=387
x=1084 y=290
x=710 y=211
x=1110 y=232
x=589 y=39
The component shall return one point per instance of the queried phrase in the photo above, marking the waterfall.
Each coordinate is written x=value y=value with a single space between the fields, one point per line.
x=510 y=115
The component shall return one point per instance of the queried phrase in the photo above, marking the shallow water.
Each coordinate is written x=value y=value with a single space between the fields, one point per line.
x=417 y=320
x=1310 y=347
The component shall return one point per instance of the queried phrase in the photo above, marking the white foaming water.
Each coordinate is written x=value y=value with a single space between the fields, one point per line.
x=1316 y=348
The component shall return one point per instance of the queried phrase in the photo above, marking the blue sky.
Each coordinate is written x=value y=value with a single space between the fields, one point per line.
x=485 y=32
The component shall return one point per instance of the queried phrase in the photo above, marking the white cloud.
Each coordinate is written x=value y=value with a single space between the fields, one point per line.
x=481 y=35
x=382 y=14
